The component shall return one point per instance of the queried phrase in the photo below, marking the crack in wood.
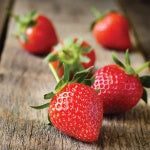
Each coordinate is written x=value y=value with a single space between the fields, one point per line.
x=5 y=26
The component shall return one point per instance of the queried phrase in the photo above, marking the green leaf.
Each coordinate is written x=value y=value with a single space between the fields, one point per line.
x=79 y=42
x=23 y=37
x=69 y=42
x=117 y=61
x=85 y=49
x=81 y=75
x=130 y=70
x=54 y=72
x=127 y=58
x=29 y=17
x=84 y=59
x=144 y=96
x=16 y=17
x=147 y=64
x=145 y=80
x=96 y=12
x=92 y=80
x=58 y=47
x=41 y=106
x=64 y=80
x=49 y=121
x=99 y=16
x=49 y=95
x=48 y=118
x=51 y=57
x=66 y=74
x=88 y=82
x=31 y=23
x=92 y=25
x=33 y=14
x=60 y=85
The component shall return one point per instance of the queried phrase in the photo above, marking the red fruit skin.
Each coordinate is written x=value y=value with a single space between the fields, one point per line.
x=118 y=90
x=41 y=37
x=60 y=71
x=77 y=111
x=91 y=55
x=113 y=32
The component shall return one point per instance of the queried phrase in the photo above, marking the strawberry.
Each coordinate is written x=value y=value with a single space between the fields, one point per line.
x=120 y=86
x=111 y=30
x=75 y=108
x=77 y=54
x=35 y=33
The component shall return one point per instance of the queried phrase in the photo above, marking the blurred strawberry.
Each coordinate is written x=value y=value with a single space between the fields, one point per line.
x=77 y=54
x=35 y=32
x=111 y=30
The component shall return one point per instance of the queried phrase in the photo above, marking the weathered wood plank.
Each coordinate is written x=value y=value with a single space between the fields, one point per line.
x=28 y=73
x=128 y=131
x=4 y=6
x=24 y=78
x=138 y=13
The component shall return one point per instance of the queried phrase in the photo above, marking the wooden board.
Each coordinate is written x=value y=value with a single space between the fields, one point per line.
x=138 y=13
x=4 y=7
x=24 y=79
x=128 y=131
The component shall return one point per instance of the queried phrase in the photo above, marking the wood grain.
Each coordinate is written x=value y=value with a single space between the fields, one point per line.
x=24 y=78
x=127 y=131
x=4 y=6
x=138 y=13
x=31 y=77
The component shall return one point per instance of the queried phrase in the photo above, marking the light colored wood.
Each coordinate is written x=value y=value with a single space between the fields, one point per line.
x=31 y=77
x=127 y=131
x=24 y=79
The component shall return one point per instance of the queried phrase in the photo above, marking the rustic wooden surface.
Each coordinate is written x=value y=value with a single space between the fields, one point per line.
x=138 y=13
x=4 y=6
x=24 y=79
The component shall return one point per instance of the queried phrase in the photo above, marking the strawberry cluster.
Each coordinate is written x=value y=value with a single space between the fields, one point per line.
x=37 y=35
x=78 y=102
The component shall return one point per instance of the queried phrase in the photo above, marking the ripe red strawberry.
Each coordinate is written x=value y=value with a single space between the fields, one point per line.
x=75 y=108
x=112 y=31
x=77 y=54
x=36 y=33
x=120 y=86
x=77 y=111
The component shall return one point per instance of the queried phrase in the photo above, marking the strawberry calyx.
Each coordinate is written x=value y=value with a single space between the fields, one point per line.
x=145 y=80
x=127 y=66
x=79 y=77
x=99 y=16
x=72 y=53
x=24 y=22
